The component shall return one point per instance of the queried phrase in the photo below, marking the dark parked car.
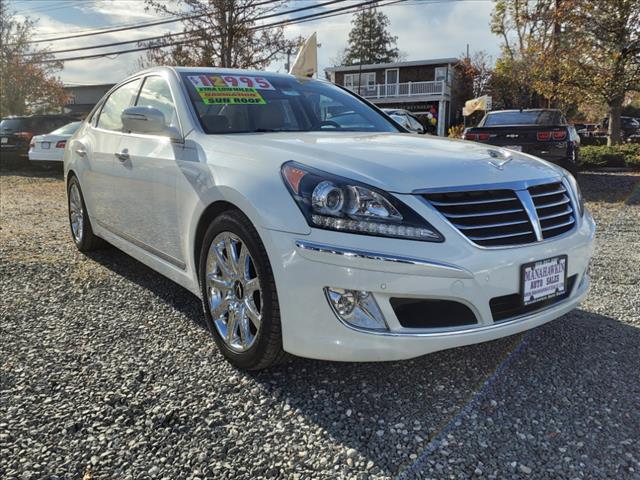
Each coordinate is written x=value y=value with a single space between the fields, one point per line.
x=629 y=127
x=16 y=132
x=543 y=133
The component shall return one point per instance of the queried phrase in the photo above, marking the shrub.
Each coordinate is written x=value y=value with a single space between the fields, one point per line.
x=455 y=131
x=627 y=155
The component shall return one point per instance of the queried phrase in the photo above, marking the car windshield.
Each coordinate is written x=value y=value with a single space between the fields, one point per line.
x=68 y=129
x=533 y=117
x=232 y=103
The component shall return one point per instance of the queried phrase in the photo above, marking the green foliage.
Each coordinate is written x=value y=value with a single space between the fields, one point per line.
x=370 y=40
x=627 y=155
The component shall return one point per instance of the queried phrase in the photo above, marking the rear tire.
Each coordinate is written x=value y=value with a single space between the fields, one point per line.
x=79 y=222
x=239 y=293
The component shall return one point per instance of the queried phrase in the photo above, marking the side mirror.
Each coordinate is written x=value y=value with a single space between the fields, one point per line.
x=147 y=120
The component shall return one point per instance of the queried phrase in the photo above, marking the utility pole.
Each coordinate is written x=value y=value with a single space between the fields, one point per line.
x=359 y=91
x=287 y=66
x=557 y=31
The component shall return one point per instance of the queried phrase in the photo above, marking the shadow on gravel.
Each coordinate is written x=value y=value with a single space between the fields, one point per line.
x=22 y=168
x=607 y=187
x=170 y=292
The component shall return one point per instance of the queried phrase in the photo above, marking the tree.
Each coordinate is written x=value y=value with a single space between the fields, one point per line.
x=527 y=32
x=27 y=85
x=369 y=40
x=568 y=52
x=602 y=55
x=474 y=75
x=219 y=33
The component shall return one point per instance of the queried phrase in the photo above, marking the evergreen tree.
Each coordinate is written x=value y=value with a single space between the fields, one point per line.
x=369 y=40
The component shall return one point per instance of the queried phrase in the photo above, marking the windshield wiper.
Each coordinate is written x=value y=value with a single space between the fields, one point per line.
x=268 y=130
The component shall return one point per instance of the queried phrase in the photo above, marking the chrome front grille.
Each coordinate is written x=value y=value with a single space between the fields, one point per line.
x=506 y=217
x=554 y=209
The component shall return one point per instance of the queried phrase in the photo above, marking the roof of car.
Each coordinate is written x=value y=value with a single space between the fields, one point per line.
x=239 y=71
x=525 y=110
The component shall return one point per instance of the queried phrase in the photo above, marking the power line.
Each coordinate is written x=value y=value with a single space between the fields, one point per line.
x=171 y=35
x=99 y=30
x=302 y=19
x=135 y=26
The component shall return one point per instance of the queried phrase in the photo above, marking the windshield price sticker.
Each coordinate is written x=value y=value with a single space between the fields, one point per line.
x=245 y=81
x=259 y=83
x=215 y=90
x=230 y=95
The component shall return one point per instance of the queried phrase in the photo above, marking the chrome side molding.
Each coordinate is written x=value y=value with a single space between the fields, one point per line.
x=381 y=257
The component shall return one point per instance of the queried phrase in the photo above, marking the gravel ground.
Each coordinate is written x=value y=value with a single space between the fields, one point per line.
x=107 y=372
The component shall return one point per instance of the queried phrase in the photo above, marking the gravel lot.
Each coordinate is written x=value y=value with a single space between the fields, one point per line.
x=107 y=372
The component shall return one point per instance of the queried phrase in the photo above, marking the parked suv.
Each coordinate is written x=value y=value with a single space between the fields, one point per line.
x=16 y=132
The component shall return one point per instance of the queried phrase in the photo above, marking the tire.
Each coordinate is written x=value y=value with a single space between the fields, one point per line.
x=79 y=222
x=239 y=293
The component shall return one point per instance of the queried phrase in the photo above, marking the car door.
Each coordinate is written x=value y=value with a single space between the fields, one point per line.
x=97 y=148
x=145 y=172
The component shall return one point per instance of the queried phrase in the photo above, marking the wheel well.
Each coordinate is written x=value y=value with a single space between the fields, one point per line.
x=209 y=214
x=70 y=174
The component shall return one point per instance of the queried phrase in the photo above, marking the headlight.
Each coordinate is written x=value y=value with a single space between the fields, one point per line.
x=336 y=203
x=577 y=194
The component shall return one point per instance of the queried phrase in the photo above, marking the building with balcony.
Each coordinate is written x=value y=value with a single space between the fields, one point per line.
x=423 y=87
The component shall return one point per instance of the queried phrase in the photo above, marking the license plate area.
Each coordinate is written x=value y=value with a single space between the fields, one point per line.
x=543 y=279
x=516 y=148
x=45 y=145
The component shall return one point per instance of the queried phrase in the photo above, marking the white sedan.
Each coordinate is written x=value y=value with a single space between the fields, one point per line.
x=331 y=240
x=50 y=147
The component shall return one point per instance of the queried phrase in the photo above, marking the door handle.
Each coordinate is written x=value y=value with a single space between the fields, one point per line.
x=81 y=152
x=123 y=156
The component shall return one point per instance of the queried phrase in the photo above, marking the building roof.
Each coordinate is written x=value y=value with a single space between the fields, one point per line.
x=413 y=63
x=106 y=85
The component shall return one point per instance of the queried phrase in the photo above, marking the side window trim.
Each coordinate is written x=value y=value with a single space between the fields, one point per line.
x=106 y=99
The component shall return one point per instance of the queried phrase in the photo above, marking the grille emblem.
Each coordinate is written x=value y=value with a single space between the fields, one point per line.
x=500 y=165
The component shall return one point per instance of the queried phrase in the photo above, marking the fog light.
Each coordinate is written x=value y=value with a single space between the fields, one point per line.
x=357 y=308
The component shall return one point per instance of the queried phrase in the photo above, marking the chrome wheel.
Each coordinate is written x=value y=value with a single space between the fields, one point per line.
x=233 y=291
x=76 y=213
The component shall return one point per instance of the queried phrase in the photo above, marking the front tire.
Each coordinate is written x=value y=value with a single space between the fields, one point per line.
x=239 y=293
x=81 y=231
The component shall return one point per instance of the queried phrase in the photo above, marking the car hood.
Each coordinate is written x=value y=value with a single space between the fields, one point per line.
x=394 y=162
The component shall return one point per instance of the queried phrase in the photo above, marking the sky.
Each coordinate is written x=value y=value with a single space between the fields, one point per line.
x=426 y=29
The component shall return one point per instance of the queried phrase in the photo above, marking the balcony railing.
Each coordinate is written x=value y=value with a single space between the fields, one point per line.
x=407 y=89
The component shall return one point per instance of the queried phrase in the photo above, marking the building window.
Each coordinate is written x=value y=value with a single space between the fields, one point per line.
x=351 y=80
x=442 y=74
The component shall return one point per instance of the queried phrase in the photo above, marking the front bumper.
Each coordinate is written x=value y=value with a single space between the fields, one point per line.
x=454 y=270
